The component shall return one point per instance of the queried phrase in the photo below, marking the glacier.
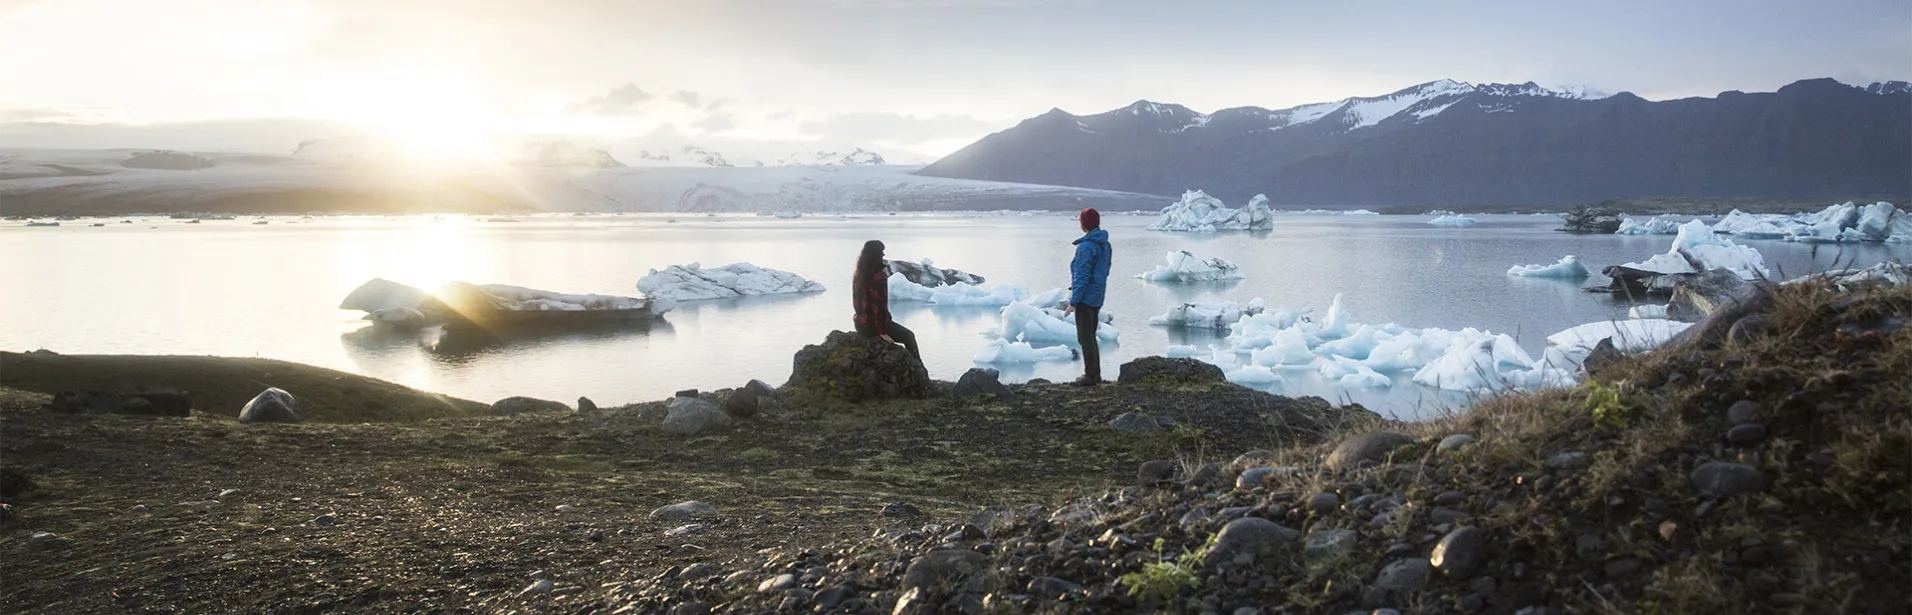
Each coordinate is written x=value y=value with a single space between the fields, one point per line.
x=1184 y=266
x=1569 y=268
x=693 y=282
x=1200 y=213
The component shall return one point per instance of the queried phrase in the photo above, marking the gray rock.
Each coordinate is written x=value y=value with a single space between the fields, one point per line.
x=897 y=510
x=325 y=520
x=684 y=510
x=1745 y=329
x=777 y=583
x=521 y=405
x=693 y=415
x=541 y=586
x=1205 y=476
x=1135 y=422
x=686 y=393
x=272 y=405
x=1604 y=354
x=1175 y=370
x=981 y=382
x=943 y=567
x=1453 y=443
x=686 y=530
x=1194 y=517
x=1404 y=577
x=1443 y=514
x=1155 y=472
x=1250 y=459
x=586 y=406
x=1247 y=610
x=1253 y=477
x=1371 y=446
x=1449 y=498
x=1746 y=434
x=1329 y=545
x=1459 y=552
x=46 y=541
x=830 y=598
x=1742 y=411
x=1251 y=536
x=855 y=368
x=1571 y=460
x=1720 y=479
x=1051 y=588
x=1323 y=503
x=746 y=402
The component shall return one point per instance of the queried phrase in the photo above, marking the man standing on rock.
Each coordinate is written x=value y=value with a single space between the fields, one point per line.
x=1088 y=283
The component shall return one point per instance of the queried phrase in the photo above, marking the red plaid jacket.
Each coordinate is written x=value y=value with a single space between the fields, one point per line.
x=872 y=302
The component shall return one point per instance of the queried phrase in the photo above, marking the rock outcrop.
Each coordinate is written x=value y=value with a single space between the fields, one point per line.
x=855 y=368
x=1177 y=370
x=1590 y=220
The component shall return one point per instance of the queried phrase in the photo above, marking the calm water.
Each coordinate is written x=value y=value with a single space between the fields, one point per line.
x=236 y=289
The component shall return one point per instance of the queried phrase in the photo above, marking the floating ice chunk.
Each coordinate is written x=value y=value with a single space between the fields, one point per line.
x=1569 y=268
x=1358 y=345
x=1741 y=223
x=959 y=293
x=1207 y=315
x=1027 y=323
x=1258 y=330
x=1182 y=352
x=1198 y=212
x=1287 y=347
x=1452 y=220
x=1003 y=352
x=1336 y=324
x=1252 y=375
x=1365 y=378
x=380 y=293
x=1875 y=221
x=1627 y=335
x=1184 y=266
x=1658 y=225
x=1476 y=364
x=693 y=282
x=1646 y=311
x=518 y=298
x=902 y=289
x=1697 y=245
x=1052 y=298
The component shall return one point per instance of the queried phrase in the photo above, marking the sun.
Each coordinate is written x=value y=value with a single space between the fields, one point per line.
x=429 y=115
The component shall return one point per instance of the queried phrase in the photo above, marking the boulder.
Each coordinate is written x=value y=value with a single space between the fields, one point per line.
x=1604 y=354
x=855 y=368
x=520 y=405
x=1459 y=552
x=981 y=381
x=943 y=568
x=586 y=406
x=1712 y=331
x=1178 y=370
x=1374 y=446
x=684 y=510
x=271 y=406
x=693 y=415
x=1590 y=220
x=1136 y=423
x=1248 y=536
x=746 y=402
x=1720 y=479
x=1699 y=295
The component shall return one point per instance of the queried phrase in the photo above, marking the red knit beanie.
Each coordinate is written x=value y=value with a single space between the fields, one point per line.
x=1091 y=219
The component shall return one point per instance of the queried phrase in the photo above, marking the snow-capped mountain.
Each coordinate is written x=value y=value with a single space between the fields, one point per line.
x=697 y=156
x=565 y=154
x=1452 y=142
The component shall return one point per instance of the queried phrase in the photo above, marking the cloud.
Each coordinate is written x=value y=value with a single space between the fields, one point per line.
x=779 y=116
x=688 y=98
x=622 y=101
x=716 y=122
x=867 y=127
x=718 y=103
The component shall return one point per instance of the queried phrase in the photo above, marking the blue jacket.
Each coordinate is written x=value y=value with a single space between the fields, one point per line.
x=1089 y=272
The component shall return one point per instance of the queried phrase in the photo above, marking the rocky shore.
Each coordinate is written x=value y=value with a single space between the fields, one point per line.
x=1762 y=469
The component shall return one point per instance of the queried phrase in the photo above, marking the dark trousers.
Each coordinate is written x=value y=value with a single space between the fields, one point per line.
x=897 y=332
x=1087 y=319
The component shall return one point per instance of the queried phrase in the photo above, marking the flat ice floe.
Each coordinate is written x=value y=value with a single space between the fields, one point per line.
x=1633 y=335
x=1198 y=212
x=1697 y=248
x=1569 y=268
x=1184 y=266
x=1207 y=314
x=1452 y=220
x=693 y=282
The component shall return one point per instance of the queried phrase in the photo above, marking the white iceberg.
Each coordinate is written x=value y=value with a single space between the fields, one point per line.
x=1838 y=223
x=1003 y=352
x=1181 y=352
x=521 y=299
x=1198 y=212
x=1569 y=268
x=959 y=293
x=1207 y=315
x=1757 y=226
x=1657 y=225
x=1252 y=375
x=693 y=282
x=1022 y=322
x=1634 y=335
x=1184 y=266
x=1697 y=248
x=1452 y=220
x=1646 y=311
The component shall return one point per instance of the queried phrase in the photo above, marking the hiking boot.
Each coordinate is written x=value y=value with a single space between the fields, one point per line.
x=1087 y=381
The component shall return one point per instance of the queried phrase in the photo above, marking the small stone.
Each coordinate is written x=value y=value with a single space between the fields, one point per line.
x=1742 y=411
x=776 y=583
x=1051 y=588
x=540 y=587
x=1459 y=552
x=510 y=406
x=1247 y=610
x=1669 y=530
x=1444 y=514
x=272 y=405
x=1746 y=434
x=325 y=520
x=1252 y=536
x=1483 y=585
x=1572 y=460
x=1253 y=477
x=1323 y=503
x=1371 y=446
x=45 y=541
x=1194 y=517
x=1449 y=498
x=830 y=598
x=1136 y=423
x=1620 y=568
x=943 y=566
x=684 y=510
x=1250 y=459
x=686 y=530
x=228 y=493
x=1205 y=476
x=1155 y=472
x=141 y=508
x=1329 y=545
x=1721 y=479
x=896 y=510
x=1453 y=443
x=561 y=508
x=1404 y=577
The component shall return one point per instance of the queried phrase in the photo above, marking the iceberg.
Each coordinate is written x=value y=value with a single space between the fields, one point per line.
x=959 y=293
x=1452 y=220
x=1252 y=375
x=1697 y=248
x=1635 y=335
x=1658 y=225
x=1184 y=266
x=1569 y=268
x=1207 y=315
x=1022 y=322
x=1646 y=311
x=926 y=274
x=1182 y=352
x=693 y=282
x=1001 y=351
x=1198 y=212
x=1838 y=223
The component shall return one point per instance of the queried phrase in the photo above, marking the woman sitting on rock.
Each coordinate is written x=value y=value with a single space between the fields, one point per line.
x=872 y=289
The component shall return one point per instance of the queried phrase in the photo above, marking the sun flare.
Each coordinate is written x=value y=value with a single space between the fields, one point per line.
x=425 y=114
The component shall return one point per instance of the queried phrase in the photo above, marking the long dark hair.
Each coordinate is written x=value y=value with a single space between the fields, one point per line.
x=868 y=262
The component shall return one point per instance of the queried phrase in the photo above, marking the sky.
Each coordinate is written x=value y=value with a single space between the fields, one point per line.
x=917 y=78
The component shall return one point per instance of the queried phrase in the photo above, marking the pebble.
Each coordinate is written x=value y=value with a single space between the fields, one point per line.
x=1323 y=503
x=1746 y=434
x=141 y=508
x=563 y=508
x=1253 y=477
x=1250 y=536
x=1721 y=479
x=1155 y=472
x=1572 y=460
x=686 y=530
x=1741 y=411
x=1449 y=498
x=45 y=541
x=684 y=510
x=325 y=520
x=541 y=586
x=228 y=493
x=1460 y=552
x=1444 y=514
x=901 y=509
x=198 y=504
x=776 y=583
